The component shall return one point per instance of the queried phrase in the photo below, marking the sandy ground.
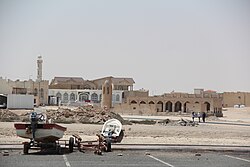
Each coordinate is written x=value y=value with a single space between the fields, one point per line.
x=203 y=134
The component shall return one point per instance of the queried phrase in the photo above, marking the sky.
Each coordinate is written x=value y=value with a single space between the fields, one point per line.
x=164 y=45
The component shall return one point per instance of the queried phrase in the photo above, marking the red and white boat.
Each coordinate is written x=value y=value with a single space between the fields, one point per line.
x=44 y=132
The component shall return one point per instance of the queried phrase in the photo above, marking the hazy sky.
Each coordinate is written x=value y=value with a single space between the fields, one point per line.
x=163 y=45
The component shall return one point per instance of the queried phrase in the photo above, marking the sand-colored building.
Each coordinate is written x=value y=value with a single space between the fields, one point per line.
x=67 y=90
x=37 y=88
x=80 y=83
x=139 y=102
x=231 y=99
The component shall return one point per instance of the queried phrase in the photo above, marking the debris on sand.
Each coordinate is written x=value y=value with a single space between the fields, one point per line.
x=86 y=115
x=8 y=116
x=181 y=122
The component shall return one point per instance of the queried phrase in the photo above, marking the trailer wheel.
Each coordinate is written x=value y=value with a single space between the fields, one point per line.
x=58 y=149
x=71 y=144
x=120 y=137
x=26 y=147
x=108 y=145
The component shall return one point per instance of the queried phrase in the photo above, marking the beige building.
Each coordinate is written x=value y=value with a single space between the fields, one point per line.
x=69 y=89
x=139 y=102
x=37 y=88
x=80 y=83
x=231 y=99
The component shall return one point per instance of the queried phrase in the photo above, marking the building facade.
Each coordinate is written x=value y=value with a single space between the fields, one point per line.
x=37 y=88
x=68 y=96
x=80 y=83
x=171 y=103
x=231 y=99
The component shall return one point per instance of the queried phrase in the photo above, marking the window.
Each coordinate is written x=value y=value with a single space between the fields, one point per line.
x=72 y=97
x=117 y=98
x=59 y=95
x=35 y=92
x=86 y=86
x=107 y=90
x=41 y=93
x=94 y=97
x=65 y=97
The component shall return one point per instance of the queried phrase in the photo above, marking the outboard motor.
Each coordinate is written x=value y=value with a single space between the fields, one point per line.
x=33 y=119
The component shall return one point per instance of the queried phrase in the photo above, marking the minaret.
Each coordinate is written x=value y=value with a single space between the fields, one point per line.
x=107 y=94
x=39 y=68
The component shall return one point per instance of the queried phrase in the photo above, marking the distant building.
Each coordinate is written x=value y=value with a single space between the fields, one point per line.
x=29 y=87
x=80 y=83
x=38 y=88
x=230 y=99
x=66 y=90
x=74 y=96
x=139 y=102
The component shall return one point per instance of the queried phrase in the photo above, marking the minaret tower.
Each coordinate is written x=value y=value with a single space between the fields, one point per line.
x=107 y=94
x=39 y=68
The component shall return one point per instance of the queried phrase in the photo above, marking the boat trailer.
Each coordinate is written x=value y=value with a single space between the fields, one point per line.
x=47 y=136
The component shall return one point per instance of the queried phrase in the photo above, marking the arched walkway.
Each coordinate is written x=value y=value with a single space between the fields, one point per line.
x=159 y=106
x=207 y=106
x=185 y=107
x=177 y=106
x=169 y=106
x=83 y=97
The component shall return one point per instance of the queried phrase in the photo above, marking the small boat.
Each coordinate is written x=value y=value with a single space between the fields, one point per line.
x=113 y=129
x=43 y=132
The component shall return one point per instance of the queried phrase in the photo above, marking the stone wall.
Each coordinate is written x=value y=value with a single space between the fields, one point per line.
x=236 y=98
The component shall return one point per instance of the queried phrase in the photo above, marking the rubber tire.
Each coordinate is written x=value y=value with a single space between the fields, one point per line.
x=108 y=145
x=71 y=144
x=26 y=148
x=120 y=137
x=58 y=150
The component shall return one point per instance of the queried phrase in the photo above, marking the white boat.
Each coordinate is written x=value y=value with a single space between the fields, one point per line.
x=113 y=129
x=44 y=132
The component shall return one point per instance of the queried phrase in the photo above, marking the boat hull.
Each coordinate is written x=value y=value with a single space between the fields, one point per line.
x=44 y=132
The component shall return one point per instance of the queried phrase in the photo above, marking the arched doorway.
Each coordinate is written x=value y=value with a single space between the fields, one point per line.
x=83 y=97
x=185 y=107
x=159 y=106
x=177 y=106
x=169 y=106
x=59 y=96
x=207 y=106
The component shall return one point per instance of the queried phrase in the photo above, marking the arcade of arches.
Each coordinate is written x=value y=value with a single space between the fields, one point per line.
x=185 y=106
